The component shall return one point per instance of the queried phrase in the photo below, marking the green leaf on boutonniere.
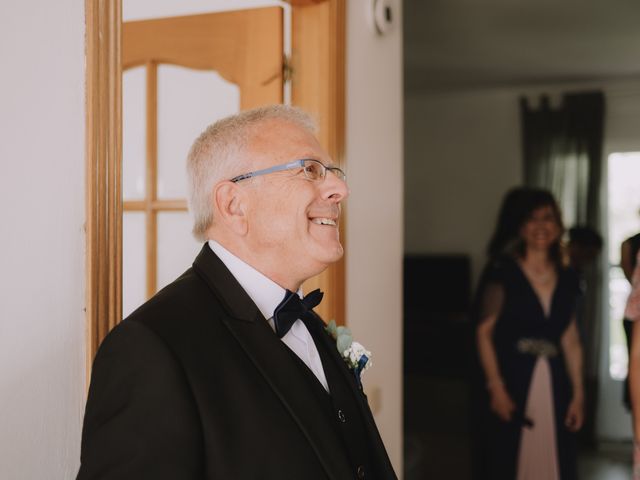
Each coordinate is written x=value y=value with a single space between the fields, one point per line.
x=344 y=339
x=332 y=329
x=342 y=336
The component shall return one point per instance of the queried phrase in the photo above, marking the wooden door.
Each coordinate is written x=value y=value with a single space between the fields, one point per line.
x=318 y=39
x=243 y=49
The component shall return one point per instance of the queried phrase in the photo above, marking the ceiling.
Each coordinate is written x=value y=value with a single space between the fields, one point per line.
x=461 y=44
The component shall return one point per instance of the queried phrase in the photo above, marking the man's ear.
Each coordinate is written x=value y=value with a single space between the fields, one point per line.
x=230 y=202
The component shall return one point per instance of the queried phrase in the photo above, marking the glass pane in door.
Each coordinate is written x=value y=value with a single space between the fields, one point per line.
x=133 y=133
x=134 y=273
x=188 y=101
x=176 y=246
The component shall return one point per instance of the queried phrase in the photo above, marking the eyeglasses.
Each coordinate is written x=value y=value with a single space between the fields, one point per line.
x=312 y=169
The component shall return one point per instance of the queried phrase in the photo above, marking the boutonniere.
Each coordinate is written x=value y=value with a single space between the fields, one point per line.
x=357 y=358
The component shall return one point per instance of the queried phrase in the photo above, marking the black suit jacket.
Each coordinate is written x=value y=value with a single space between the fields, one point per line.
x=196 y=385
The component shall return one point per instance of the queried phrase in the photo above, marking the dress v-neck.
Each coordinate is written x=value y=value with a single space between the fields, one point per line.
x=545 y=314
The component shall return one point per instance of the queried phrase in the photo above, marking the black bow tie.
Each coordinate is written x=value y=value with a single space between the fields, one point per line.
x=293 y=308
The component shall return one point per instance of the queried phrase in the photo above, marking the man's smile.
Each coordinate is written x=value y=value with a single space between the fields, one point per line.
x=324 y=221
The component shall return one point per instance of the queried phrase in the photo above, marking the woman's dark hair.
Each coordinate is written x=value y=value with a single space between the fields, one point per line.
x=538 y=198
x=510 y=219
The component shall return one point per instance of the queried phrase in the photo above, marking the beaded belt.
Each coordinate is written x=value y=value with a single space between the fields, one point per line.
x=537 y=346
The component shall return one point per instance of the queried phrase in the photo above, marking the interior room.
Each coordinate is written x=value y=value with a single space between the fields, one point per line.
x=419 y=101
x=59 y=113
x=468 y=67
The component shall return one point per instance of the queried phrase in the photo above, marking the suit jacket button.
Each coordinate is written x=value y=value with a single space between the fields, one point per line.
x=341 y=417
x=360 y=472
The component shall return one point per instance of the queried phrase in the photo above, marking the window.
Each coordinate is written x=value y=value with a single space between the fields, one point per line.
x=623 y=221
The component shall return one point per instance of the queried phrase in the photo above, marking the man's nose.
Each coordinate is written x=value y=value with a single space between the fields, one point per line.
x=334 y=188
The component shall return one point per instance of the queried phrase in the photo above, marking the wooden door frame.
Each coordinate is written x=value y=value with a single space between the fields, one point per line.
x=318 y=86
x=103 y=171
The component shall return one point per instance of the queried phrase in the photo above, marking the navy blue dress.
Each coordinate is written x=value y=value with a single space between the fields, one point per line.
x=521 y=316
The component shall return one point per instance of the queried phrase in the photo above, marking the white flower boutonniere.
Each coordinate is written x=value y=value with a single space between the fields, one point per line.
x=357 y=358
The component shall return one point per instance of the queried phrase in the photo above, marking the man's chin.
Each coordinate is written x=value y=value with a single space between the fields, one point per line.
x=335 y=253
x=328 y=256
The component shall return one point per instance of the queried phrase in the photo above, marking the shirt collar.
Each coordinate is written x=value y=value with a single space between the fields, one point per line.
x=264 y=292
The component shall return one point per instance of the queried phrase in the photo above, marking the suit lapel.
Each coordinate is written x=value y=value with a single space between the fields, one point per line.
x=271 y=358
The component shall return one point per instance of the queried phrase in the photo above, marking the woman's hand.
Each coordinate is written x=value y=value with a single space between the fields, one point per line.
x=575 y=414
x=501 y=402
x=572 y=349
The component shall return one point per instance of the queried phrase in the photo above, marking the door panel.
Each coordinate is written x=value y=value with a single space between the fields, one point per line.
x=245 y=47
x=181 y=118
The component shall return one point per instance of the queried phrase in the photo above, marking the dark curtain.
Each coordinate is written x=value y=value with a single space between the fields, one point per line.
x=562 y=151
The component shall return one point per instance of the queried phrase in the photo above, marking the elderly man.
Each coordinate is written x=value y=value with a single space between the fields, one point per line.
x=226 y=373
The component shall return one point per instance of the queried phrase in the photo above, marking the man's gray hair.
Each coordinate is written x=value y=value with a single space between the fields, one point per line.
x=219 y=154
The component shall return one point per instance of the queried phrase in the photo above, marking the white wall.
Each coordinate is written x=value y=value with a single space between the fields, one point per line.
x=42 y=322
x=374 y=157
x=144 y=9
x=462 y=154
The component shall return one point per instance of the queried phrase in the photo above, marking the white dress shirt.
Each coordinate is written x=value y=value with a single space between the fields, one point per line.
x=267 y=295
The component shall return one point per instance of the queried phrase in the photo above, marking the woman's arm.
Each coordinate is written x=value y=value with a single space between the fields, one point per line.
x=501 y=402
x=572 y=349
x=626 y=260
x=634 y=390
x=634 y=379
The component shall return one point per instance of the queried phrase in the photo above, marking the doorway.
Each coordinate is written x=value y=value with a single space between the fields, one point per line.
x=621 y=221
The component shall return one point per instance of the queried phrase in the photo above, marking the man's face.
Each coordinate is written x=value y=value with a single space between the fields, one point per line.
x=292 y=221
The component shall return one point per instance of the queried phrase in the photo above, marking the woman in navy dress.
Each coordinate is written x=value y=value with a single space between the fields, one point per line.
x=530 y=353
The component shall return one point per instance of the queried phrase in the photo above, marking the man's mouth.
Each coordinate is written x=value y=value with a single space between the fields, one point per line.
x=323 y=221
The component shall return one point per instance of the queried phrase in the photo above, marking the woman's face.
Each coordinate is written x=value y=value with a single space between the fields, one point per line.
x=542 y=229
